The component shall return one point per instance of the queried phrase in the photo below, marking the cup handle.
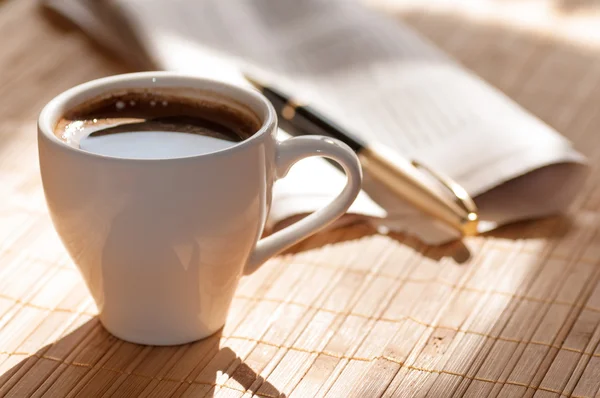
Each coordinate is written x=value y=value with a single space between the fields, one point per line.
x=289 y=152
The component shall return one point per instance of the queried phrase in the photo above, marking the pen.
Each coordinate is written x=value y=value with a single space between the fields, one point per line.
x=406 y=179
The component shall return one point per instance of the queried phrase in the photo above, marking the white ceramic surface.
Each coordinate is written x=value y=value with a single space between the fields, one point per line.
x=162 y=243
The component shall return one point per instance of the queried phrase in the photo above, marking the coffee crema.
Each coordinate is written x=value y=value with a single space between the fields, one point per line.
x=151 y=124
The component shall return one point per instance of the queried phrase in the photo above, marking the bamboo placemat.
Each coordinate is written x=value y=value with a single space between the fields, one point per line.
x=350 y=312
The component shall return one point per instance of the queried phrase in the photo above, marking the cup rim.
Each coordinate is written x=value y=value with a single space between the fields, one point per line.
x=52 y=107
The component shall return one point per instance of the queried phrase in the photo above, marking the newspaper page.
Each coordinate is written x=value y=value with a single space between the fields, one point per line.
x=370 y=74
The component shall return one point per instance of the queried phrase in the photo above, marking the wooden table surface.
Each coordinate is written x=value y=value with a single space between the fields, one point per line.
x=348 y=312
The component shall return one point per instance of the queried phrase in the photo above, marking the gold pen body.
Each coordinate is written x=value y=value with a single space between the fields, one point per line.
x=407 y=180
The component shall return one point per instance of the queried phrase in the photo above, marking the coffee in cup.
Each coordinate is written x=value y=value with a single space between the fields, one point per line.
x=144 y=124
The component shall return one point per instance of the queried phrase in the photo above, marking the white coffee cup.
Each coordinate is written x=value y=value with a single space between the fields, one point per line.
x=162 y=243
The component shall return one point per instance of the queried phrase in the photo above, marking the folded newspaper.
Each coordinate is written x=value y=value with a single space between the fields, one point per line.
x=370 y=74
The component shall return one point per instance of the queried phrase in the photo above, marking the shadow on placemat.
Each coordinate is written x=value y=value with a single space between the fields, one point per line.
x=549 y=228
x=359 y=230
x=91 y=362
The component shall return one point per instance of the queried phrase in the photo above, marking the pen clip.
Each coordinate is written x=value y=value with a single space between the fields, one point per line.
x=462 y=197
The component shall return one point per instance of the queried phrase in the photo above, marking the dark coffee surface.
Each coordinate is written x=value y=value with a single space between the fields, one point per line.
x=150 y=111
